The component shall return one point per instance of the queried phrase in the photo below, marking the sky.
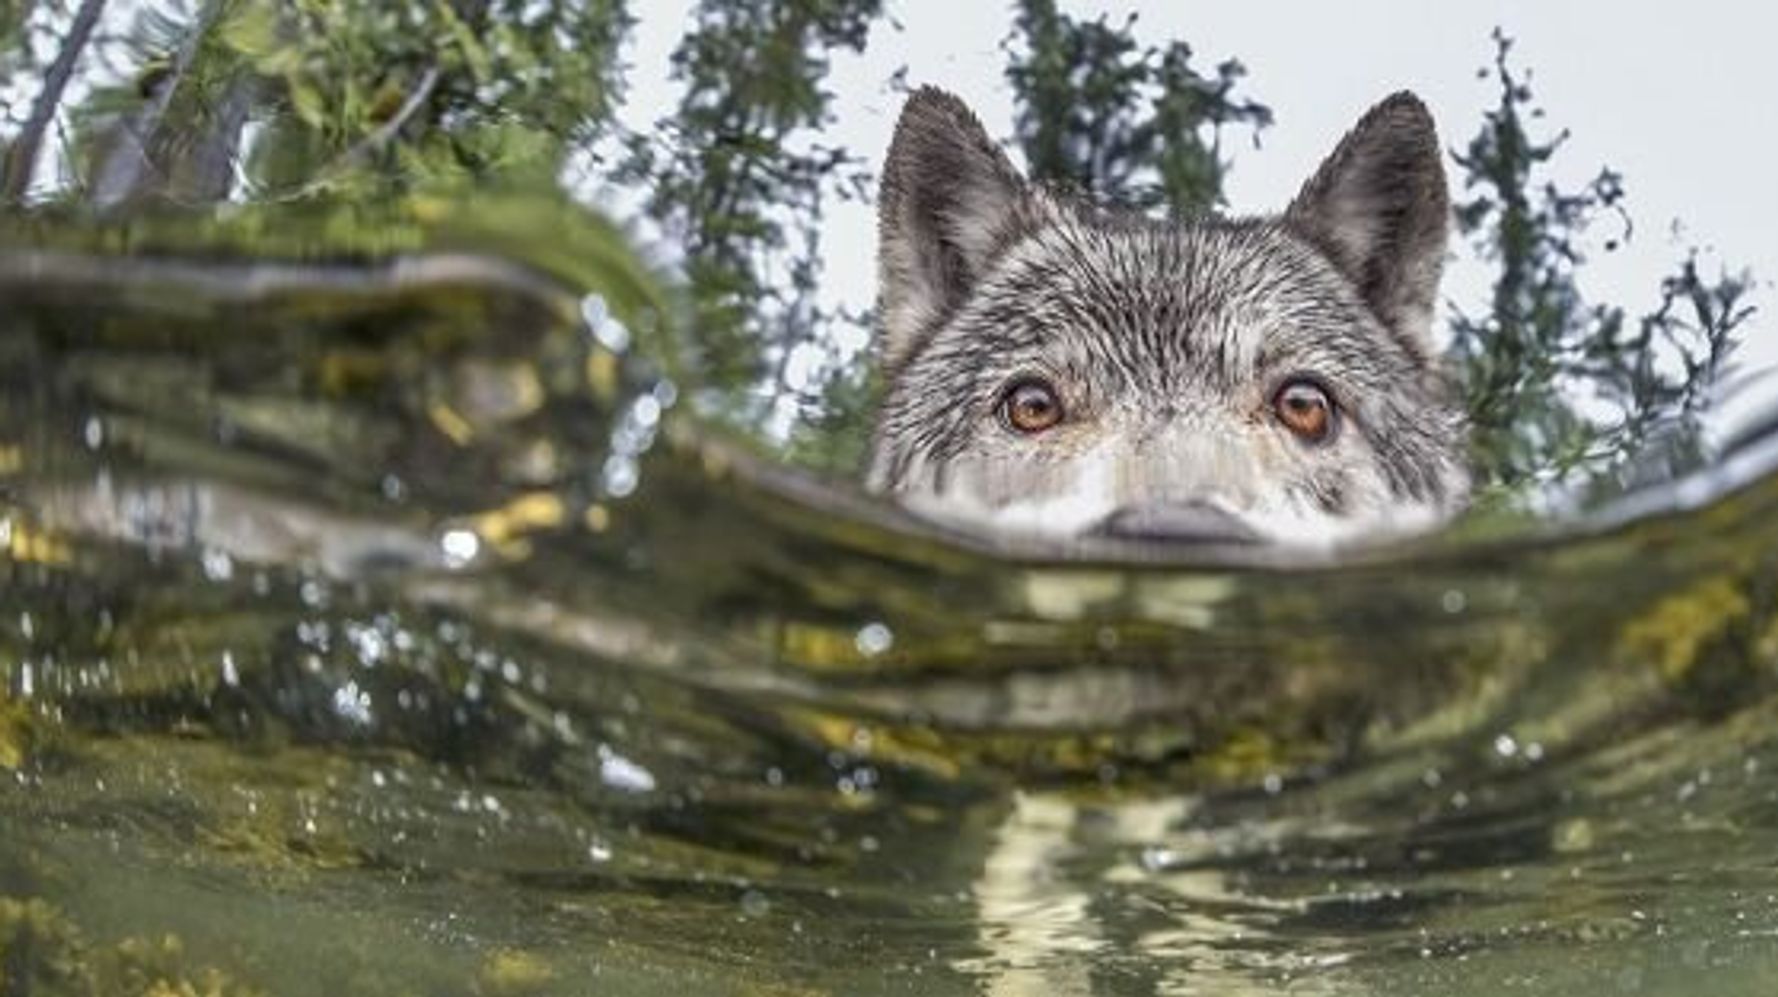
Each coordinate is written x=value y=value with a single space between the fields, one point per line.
x=1676 y=97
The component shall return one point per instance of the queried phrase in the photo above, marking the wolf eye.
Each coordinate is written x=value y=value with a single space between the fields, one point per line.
x=1304 y=409
x=1030 y=406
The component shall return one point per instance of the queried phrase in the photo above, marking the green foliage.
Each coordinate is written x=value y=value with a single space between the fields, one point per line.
x=352 y=99
x=479 y=92
x=13 y=15
x=1562 y=392
x=834 y=438
x=1100 y=113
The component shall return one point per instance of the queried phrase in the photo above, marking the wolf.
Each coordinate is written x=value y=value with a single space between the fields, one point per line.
x=1056 y=367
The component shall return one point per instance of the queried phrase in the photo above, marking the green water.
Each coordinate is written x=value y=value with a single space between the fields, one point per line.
x=376 y=619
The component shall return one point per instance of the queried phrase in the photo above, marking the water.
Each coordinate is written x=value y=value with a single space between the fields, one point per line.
x=378 y=620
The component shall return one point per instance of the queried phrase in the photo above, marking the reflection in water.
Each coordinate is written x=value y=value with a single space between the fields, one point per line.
x=394 y=609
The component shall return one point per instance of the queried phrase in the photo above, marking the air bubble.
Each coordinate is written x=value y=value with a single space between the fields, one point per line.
x=619 y=772
x=218 y=566
x=352 y=703
x=610 y=333
x=647 y=411
x=460 y=547
x=620 y=476
x=874 y=639
x=1155 y=858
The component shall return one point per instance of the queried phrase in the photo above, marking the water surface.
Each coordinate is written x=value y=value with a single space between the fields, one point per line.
x=378 y=619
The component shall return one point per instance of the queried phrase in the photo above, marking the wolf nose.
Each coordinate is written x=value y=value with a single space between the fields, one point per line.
x=1191 y=522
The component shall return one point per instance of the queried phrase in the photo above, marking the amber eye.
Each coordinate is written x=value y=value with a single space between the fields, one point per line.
x=1030 y=406
x=1304 y=409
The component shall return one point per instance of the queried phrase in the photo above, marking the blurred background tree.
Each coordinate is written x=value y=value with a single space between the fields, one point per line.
x=1562 y=392
x=179 y=104
x=1101 y=113
x=738 y=178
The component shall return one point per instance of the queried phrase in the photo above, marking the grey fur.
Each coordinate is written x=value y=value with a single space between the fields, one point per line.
x=1167 y=341
x=948 y=206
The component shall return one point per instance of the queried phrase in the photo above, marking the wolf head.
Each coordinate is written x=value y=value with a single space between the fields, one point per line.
x=1064 y=369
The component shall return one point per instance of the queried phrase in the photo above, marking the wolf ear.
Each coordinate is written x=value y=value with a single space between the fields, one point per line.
x=1379 y=209
x=948 y=197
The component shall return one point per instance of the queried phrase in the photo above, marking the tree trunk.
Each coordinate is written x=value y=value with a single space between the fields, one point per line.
x=21 y=159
